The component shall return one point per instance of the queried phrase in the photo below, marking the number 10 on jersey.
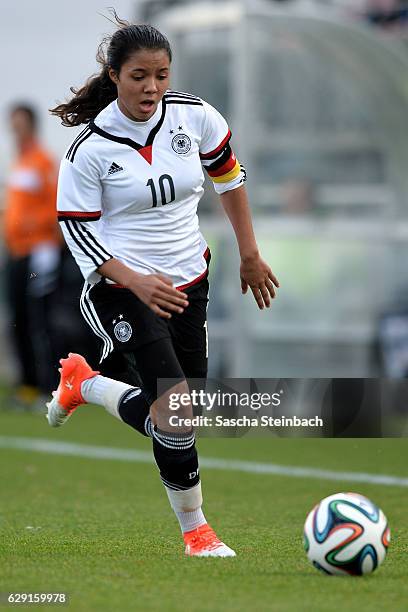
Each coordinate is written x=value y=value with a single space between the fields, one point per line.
x=165 y=178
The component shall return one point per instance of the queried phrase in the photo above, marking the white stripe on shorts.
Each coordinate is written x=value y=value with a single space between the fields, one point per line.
x=90 y=316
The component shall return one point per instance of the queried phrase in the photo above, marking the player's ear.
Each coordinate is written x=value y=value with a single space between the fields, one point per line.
x=113 y=76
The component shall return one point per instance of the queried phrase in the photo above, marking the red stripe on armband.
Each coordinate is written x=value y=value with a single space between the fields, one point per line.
x=218 y=149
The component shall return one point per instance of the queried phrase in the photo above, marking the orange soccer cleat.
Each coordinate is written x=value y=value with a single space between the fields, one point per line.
x=203 y=542
x=68 y=396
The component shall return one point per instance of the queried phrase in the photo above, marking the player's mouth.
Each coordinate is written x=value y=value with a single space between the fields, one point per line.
x=147 y=106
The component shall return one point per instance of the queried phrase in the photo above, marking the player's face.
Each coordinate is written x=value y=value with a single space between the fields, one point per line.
x=142 y=82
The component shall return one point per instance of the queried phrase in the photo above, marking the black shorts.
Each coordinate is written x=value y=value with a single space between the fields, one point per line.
x=124 y=324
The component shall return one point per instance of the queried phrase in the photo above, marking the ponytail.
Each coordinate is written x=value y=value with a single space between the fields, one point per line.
x=88 y=101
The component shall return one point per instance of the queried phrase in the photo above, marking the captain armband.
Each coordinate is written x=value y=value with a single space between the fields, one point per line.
x=225 y=170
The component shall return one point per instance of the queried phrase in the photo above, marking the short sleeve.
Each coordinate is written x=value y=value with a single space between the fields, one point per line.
x=217 y=157
x=79 y=192
x=215 y=133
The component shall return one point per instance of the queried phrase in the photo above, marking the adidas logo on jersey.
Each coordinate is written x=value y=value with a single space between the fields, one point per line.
x=114 y=168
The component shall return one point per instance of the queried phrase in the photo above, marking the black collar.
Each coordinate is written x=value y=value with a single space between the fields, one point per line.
x=128 y=141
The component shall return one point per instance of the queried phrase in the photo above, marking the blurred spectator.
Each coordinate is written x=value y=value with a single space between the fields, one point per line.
x=33 y=245
x=390 y=14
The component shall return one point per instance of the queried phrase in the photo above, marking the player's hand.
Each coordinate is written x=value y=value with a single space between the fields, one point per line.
x=157 y=292
x=257 y=275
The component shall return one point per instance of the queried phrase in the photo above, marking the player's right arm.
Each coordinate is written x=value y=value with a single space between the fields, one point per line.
x=79 y=205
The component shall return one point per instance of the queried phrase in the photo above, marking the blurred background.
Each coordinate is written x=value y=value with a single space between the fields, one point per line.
x=316 y=94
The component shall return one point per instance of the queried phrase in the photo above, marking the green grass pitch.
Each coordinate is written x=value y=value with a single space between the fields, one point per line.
x=102 y=530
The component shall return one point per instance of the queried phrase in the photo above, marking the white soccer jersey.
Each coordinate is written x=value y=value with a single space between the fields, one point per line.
x=139 y=183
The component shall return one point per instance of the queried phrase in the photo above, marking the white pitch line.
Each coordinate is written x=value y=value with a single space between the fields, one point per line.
x=42 y=445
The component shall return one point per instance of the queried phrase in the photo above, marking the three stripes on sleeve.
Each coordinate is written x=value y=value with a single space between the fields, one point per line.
x=85 y=240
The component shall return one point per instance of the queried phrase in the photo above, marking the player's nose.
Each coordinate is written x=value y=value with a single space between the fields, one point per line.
x=151 y=86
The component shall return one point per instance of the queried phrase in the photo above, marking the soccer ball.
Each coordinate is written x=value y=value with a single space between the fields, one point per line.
x=346 y=534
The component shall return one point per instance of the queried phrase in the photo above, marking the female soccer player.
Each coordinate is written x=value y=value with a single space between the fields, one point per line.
x=129 y=186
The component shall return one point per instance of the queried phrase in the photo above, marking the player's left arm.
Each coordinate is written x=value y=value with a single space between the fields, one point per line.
x=254 y=271
x=228 y=177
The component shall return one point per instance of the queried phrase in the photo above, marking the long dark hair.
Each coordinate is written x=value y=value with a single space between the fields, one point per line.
x=100 y=90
